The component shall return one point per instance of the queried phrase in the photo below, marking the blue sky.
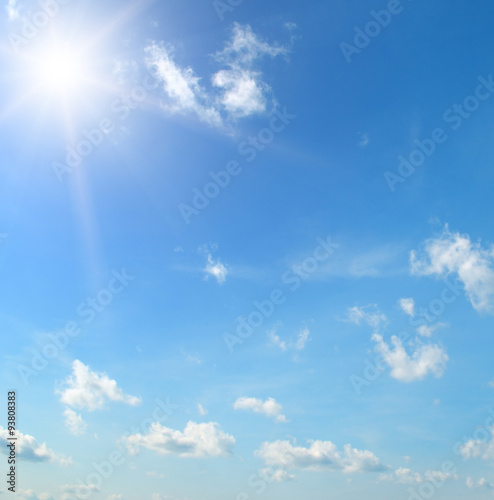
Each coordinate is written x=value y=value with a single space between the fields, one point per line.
x=246 y=249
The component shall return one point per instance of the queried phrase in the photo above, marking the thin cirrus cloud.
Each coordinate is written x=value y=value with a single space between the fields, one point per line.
x=319 y=456
x=216 y=269
x=454 y=253
x=196 y=441
x=269 y=408
x=28 y=448
x=298 y=345
x=238 y=90
x=85 y=389
x=426 y=359
x=370 y=315
x=403 y=475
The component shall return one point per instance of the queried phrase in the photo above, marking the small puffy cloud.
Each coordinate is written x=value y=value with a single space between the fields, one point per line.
x=428 y=330
x=202 y=411
x=216 y=269
x=479 y=448
x=196 y=441
x=28 y=448
x=302 y=339
x=31 y=495
x=74 y=422
x=407 y=476
x=277 y=475
x=319 y=455
x=454 y=253
x=407 y=368
x=369 y=315
x=85 y=389
x=407 y=306
x=270 y=408
x=482 y=483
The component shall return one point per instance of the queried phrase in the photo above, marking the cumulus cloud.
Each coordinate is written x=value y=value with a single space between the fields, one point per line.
x=216 y=269
x=428 y=330
x=196 y=441
x=28 y=448
x=454 y=253
x=407 y=476
x=425 y=359
x=369 y=315
x=407 y=306
x=319 y=455
x=74 y=422
x=238 y=90
x=270 y=408
x=479 y=448
x=85 y=389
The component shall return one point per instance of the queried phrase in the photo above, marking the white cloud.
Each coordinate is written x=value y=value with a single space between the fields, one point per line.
x=216 y=269
x=115 y=496
x=74 y=422
x=408 y=306
x=453 y=253
x=320 y=455
x=405 y=368
x=481 y=483
x=275 y=340
x=181 y=85
x=302 y=339
x=407 y=476
x=277 y=475
x=153 y=473
x=196 y=441
x=28 y=448
x=269 y=408
x=12 y=10
x=479 y=448
x=239 y=89
x=31 y=495
x=369 y=314
x=202 y=411
x=69 y=491
x=428 y=330
x=87 y=389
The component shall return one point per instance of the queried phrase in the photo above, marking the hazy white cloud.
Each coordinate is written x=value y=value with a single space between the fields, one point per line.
x=453 y=253
x=89 y=390
x=428 y=330
x=407 y=476
x=407 y=306
x=74 y=422
x=28 y=448
x=275 y=340
x=31 y=495
x=302 y=339
x=319 y=455
x=405 y=368
x=269 y=408
x=202 y=411
x=12 y=9
x=363 y=140
x=196 y=441
x=216 y=269
x=479 y=448
x=482 y=483
x=369 y=315
x=276 y=474
x=69 y=491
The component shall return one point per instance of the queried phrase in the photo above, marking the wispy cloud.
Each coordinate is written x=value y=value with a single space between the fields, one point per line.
x=12 y=9
x=407 y=476
x=216 y=269
x=74 y=422
x=407 y=306
x=369 y=315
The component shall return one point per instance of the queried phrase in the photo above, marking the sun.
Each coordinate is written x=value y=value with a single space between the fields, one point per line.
x=59 y=69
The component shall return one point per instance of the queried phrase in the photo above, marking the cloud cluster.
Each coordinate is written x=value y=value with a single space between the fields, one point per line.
x=320 y=456
x=407 y=476
x=453 y=253
x=238 y=90
x=298 y=345
x=479 y=448
x=425 y=359
x=85 y=389
x=270 y=408
x=369 y=315
x=28 y=448
x=482 y=483
x=196 y=441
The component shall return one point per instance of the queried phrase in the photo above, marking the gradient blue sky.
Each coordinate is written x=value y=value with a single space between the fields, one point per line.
x=371 y=376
